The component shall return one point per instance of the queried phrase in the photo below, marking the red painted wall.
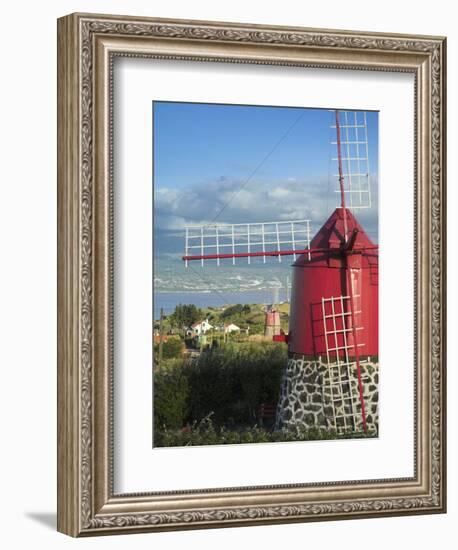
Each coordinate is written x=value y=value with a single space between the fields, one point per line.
x=324 y=276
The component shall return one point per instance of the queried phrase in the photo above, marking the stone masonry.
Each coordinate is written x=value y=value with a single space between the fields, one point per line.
x=305 y=397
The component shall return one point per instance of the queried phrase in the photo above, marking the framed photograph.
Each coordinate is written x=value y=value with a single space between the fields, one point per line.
x=243 y=355
x=251 y=274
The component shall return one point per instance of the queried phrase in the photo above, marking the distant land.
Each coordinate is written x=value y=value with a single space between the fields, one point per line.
x=175 y=277
x=213 y=286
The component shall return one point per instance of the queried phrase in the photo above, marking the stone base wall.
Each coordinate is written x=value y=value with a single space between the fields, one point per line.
x=305 y=397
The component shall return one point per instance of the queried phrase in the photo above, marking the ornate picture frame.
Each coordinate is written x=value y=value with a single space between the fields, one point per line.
x=87 y=46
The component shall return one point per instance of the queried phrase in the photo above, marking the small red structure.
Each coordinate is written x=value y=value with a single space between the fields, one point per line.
x=324 y=275
x=272 y=325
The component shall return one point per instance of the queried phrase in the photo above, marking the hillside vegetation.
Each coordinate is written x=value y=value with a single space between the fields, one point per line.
x=247 y=316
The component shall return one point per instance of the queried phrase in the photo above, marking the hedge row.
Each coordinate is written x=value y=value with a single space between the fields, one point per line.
x=206 y=433
x=228 y=383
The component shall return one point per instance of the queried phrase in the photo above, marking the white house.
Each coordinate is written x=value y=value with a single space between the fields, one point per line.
x=227 y=328
x=199 y=328
x=231 y=328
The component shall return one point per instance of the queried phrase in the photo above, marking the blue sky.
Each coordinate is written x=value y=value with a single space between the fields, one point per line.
x=235 y=164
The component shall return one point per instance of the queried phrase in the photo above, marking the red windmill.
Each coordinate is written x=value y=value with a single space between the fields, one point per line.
x=334 y=298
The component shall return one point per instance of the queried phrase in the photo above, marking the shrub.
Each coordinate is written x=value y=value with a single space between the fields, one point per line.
x=172 y=348
x=232 y=381
x=170 y=399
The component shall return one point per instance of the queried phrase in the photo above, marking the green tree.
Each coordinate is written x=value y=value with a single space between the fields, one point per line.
x=185 y=315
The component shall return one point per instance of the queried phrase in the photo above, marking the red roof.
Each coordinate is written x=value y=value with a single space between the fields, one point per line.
x=157 y=338
x=330 y=236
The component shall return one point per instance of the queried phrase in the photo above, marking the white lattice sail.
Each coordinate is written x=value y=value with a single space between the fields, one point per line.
x=246 y=240
x=340 y=379
x=355 y=159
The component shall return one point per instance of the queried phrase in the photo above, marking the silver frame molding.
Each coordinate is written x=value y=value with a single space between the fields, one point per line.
x=87 y=45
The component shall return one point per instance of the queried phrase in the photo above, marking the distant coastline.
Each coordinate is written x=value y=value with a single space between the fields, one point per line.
x=168 y=300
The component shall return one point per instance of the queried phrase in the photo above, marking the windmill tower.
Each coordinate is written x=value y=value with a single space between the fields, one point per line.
x=272 y=326
x=331 y=378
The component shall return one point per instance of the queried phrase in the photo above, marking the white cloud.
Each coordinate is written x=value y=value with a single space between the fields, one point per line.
x=232 y=201
x=278 y=192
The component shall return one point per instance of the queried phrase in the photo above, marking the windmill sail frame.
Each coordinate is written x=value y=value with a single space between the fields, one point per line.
x=355 y=159
x=246 y=240
x=341 y=379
